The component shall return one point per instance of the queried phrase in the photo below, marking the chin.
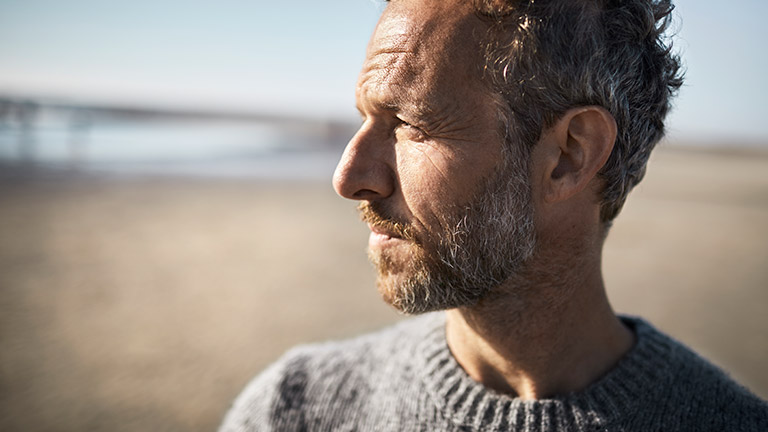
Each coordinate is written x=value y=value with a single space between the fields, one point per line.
x=418 y=293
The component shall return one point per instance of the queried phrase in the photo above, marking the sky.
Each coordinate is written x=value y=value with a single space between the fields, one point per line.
x=302 y=57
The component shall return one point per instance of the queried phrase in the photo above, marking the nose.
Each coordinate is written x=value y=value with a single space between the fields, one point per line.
x=365 y=169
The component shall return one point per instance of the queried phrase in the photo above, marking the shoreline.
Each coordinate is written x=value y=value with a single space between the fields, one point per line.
x=146 y=303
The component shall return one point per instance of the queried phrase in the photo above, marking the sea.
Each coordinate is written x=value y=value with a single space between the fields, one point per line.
x=170 y=146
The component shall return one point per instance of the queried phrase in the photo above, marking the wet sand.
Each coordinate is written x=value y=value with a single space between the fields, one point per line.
x=146 y=304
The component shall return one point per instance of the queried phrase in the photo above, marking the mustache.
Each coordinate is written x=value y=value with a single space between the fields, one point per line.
x=374 y=214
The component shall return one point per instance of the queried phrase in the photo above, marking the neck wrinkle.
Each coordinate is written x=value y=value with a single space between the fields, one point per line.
x=536 y=340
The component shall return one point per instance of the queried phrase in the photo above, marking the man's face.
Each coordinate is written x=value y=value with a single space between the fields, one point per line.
x=447 y=205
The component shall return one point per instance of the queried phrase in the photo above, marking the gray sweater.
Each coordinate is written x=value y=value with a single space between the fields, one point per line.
x=405 y=379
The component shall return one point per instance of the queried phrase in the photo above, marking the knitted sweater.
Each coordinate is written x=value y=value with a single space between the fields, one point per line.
x=405 y=379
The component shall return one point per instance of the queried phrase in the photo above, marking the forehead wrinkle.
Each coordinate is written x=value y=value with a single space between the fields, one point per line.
x=415 y=79
x=379 y=76
x=393 y=34
x=395 y=73
x=432 y=25
x=430 y=33
x=414 y=48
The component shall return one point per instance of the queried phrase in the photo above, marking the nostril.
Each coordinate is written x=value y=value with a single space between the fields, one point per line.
x=364 y=194
x=365 y=169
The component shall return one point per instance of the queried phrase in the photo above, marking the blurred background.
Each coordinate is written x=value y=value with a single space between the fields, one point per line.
x=167 y=225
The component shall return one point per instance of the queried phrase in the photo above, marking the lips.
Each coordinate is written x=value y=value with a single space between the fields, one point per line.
x=383 y=237
x=382 y=223
x=381 y=231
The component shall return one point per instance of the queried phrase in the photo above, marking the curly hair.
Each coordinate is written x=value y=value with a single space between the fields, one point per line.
x=546 y=56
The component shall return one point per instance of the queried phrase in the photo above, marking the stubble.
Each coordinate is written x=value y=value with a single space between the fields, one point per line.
x=477 y=246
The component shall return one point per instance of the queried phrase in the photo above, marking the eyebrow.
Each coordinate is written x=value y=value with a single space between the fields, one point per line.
x=400 y=104
x=386 y=106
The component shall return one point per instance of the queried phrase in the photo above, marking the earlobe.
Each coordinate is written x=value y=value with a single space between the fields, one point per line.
x=579 y=144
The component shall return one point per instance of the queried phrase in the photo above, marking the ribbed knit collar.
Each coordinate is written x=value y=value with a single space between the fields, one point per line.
x=468 y=403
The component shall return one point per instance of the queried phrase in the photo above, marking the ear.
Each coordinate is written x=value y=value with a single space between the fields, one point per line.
x=573 y=150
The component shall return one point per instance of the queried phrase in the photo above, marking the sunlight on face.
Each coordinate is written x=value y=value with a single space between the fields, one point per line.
x=448 y=204
x=480 y=245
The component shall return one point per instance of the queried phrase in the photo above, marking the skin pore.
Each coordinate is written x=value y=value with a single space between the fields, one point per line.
x=430 y=143
x=426 y=164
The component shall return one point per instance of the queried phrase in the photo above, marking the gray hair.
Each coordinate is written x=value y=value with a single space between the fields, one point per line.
x=546 y=56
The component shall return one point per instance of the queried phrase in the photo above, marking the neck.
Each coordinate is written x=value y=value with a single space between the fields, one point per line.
x=541 y=336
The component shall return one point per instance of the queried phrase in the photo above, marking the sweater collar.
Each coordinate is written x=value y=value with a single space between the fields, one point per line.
x=468 y=403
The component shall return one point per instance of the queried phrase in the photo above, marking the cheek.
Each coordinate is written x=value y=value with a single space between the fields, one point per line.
x=431 y=180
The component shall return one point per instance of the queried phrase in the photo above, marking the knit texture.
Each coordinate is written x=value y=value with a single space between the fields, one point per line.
x=405 y=379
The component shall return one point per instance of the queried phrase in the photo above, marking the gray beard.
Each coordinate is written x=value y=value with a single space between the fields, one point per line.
x=483 y=243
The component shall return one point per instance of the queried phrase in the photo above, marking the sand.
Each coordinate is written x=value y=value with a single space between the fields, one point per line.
x=146 y=304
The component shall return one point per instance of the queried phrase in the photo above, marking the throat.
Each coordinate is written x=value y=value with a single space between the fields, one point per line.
x=531 y=352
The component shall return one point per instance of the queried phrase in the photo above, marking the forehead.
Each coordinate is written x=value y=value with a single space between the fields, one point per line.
x=415 y=25
x=425 y=44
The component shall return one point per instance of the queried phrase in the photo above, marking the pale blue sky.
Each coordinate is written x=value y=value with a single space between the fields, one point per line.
x=303 y=56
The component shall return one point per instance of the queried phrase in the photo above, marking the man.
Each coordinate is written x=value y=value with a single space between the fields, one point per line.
x=499 y=140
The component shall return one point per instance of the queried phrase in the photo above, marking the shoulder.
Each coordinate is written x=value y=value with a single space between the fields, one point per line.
x=322 y=362
x=311 y=384
x=698 y=393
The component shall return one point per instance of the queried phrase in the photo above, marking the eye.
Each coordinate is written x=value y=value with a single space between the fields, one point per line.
x=409 y=132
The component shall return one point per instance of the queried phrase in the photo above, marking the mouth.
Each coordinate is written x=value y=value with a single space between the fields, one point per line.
x=383 y=227
x=382 y=234
x=382 y=231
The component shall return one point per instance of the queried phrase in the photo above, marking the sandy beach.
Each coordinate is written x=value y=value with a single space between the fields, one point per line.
x=147 y=303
